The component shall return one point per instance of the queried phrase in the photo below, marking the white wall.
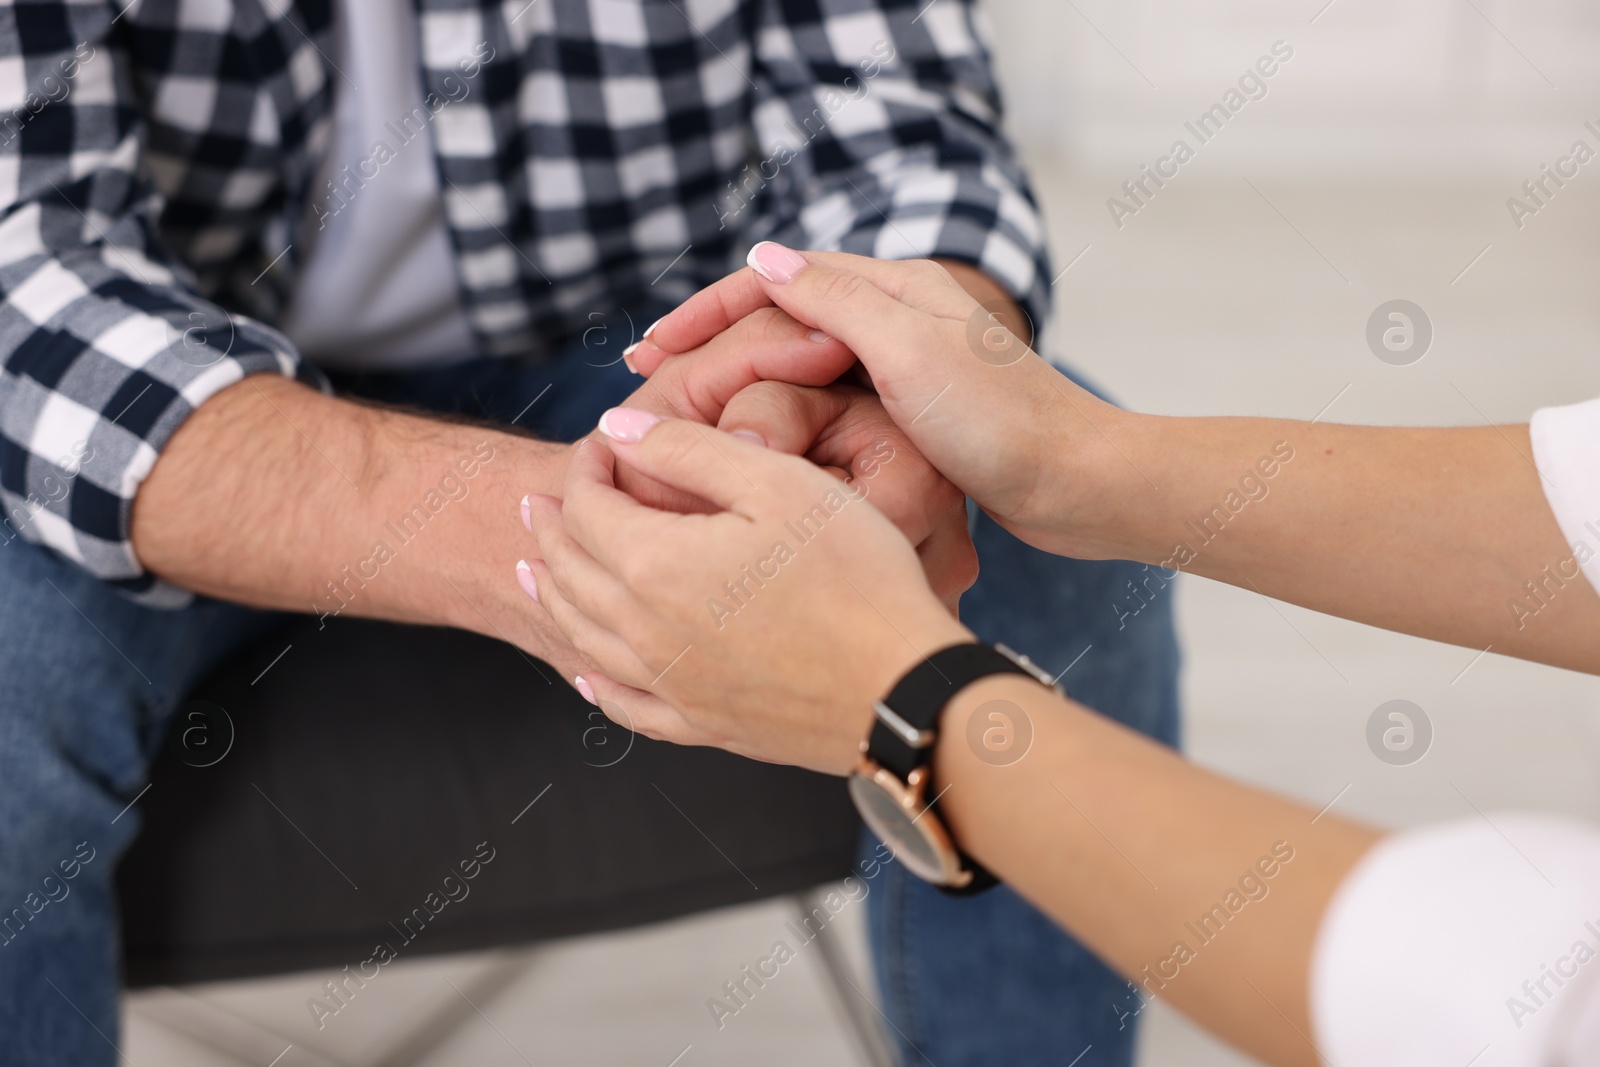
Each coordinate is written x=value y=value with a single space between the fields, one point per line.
x=1377 y=90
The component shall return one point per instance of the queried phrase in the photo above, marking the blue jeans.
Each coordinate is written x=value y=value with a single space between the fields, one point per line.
x=89 y=681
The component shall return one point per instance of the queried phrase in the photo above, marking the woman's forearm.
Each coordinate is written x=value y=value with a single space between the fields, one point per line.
x=1199 y=890
x=1443 y=533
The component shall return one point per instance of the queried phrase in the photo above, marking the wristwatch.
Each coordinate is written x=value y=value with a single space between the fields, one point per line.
x=891 y=783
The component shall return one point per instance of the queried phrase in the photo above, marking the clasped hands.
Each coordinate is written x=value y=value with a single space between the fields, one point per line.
x=725 y=584
x=769 y=379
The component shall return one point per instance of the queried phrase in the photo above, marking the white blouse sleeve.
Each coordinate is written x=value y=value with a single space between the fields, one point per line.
x=1566 y=449
x=1465 y=943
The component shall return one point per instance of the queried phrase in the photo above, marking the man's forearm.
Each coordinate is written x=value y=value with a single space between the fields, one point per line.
x=1434 y=532
x=277 y=496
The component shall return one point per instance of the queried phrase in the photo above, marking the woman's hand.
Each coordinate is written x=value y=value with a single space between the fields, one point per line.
x=768 y=628
x=1021 y=439
x=844 y=429
x=1444 y=533
x=733 y=381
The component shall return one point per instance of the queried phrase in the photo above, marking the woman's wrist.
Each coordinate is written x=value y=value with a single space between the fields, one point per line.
x=903 y=647
x=993 y=737
x=895 y=651
x=1091 y=491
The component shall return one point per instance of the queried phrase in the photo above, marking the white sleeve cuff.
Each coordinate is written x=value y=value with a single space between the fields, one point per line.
x=1464 y=943
x=1566 y=449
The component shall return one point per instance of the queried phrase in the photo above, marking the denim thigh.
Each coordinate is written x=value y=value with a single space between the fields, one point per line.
x=88 y=681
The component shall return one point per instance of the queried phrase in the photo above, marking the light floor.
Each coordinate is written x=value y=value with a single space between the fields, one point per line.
x=1218 y=298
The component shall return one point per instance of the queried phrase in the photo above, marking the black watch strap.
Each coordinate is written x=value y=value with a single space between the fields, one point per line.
x=906 y=726
x=920 y=697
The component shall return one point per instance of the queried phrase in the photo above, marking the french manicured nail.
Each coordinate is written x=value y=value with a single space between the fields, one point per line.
x=775 y=263
x=525 y=579
x=527 y=514
x=817 y=337
x=627 y=356
x=627 y=424
x=648 y=330
x=751 y=436
x=585 y=690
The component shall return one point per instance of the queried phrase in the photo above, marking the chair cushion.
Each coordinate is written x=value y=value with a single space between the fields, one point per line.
x=377 y=765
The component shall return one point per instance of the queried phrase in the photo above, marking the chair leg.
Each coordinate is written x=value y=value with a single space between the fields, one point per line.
x=436 y=1026
x=861 y=1016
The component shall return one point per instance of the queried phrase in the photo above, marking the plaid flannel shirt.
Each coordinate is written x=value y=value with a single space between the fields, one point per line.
x=158 y=159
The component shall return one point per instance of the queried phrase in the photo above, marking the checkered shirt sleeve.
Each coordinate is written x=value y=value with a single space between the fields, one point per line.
x=105 y=348
x=879 y=128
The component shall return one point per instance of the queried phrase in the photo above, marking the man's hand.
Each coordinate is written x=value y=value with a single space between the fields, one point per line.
x=987 y=411
x=767 y=376
x=775 y=348
x=786 y=560
x=276 y=496
x=845 y=429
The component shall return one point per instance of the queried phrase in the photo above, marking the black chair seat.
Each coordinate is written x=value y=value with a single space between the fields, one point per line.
x=370 y=763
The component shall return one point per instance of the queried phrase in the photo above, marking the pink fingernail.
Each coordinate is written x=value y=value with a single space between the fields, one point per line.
x=585 y=690
x=751 y=436
x=627 y=425
x=627 y=356
x=775 y=263
x=818 y=337
x=525 y=579
x=527 y=514
x=648 y=330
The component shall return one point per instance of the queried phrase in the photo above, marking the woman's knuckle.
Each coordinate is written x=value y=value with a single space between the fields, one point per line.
x=676 y=447
x=639 y=635
x=841 y=286
x=635 y=573
x=586 y=644
x=656 y=649
x=560 y=557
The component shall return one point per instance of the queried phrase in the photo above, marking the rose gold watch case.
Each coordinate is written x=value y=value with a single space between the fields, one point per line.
x=894 y=810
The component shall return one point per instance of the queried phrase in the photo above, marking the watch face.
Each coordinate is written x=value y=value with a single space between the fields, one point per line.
x=917 y=842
